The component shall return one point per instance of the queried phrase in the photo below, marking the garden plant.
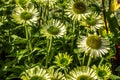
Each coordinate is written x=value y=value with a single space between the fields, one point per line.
x=59 y=40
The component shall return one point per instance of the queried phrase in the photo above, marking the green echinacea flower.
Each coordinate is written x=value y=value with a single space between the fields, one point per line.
x=25 y=16
x=93 y=45
x=54 y=29
x=103 y=72
x=55 y=74
x=94 y=21
x=82 y=73
x=77 y=9
x=63 y=60
x=35 y=73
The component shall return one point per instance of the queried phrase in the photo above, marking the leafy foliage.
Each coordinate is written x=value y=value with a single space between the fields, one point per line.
x=23 y=45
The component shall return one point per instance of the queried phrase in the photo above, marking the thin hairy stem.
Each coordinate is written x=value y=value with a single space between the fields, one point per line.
x=89 y=61
x=28 y=38
x=48 y=52
x=101 y=61
x=83 y=59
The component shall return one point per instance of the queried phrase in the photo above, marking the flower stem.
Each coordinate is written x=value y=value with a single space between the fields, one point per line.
x=29 y=45
x=83 y=59
x=26 y=31
x=65 y=71
x=49 y=49
x=101 y=61
x=78 y=57
x=89 y=61
x=29 y=41
x=73 y=31
x=9 y=35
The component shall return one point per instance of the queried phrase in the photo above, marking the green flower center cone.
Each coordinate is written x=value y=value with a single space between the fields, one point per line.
x=102 y=73
x=26 y=15
x=64 y=62
x=94 y=42
x=52 y=78
x=36 y=78
x=53 y=30
x=91 y=21
x=79 y=7
x=84 y=77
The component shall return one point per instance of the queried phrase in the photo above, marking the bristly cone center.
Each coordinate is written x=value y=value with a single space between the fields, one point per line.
x=36 y=78
x=91 y=21
x=79 y=7
x=53 y=30
x=84 y=77
x=26 y=15
x=94 y=41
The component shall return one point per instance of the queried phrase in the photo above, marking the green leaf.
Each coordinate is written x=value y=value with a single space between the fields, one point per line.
x=21 y=53
x=12 y=76
x=114 y=77
x=18 y=40
x=35 y=49
x=118 y=68
x=113 y=25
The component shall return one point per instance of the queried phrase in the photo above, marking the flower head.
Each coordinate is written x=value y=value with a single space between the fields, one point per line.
x=77 y=9
x=103 y=72
x=63 y=59
x=35 y=73
x=25 y=16
x=94 y=45
x=94 y=21
x=82 y=73
x=55 y=75
x=54 y=29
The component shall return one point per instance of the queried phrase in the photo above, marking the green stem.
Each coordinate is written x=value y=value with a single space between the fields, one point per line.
x=65 y=71
x=26 y=31
x=49 y=49
x=29 y=41
x=83 y=59
x=73 y=31
x=78 y=58
x=9 y=36
x=47 y=11
x=50 y=44
x=101 y=61
x=29 y=45
x=63 y=13
x=89 y=61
